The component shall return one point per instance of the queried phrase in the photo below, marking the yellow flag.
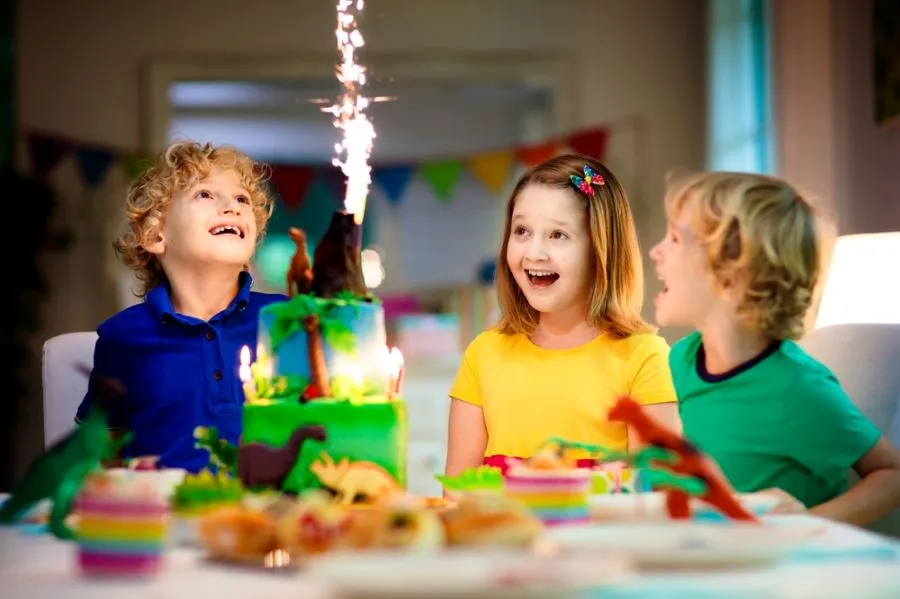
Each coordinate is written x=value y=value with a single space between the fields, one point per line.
x=492 y=168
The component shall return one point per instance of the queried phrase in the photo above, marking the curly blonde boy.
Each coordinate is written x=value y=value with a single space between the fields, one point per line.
x=182 y=165
x=194 y=220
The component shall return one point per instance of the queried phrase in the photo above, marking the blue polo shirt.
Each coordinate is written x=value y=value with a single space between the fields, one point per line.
x=180 y=372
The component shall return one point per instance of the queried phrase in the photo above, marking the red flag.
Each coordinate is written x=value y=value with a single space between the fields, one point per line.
x=535 y=154
x=291 y=183
x=592 y=142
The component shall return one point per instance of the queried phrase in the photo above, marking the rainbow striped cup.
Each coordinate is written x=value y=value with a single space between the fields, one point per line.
x=122 y=527
x=556 y=497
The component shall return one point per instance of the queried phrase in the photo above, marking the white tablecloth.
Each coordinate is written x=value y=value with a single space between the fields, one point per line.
x=843 y=563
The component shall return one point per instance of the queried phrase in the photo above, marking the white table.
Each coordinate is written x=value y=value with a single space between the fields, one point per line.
x=844 y=563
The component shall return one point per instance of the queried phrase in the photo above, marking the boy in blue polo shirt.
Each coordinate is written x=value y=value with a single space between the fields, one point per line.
x=194 y=219
x=739 y=263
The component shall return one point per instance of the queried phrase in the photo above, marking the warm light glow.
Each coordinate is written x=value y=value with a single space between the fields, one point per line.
x=395 y=368
x=373 y=271
x=358 y=132
x=244 y=368
x=862 y=286
x=396 y=362
x=349 y=368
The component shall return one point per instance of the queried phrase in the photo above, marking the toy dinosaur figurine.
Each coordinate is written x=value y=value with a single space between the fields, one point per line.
x=58 y=474
x=300 y=273
x=680 y=457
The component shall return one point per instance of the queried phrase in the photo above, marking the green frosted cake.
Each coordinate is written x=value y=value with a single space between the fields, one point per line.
x=322 y=405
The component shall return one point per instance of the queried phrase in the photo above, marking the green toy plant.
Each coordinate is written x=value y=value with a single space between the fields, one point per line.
x=204 y=490
x=482 y=478
x=222 y=454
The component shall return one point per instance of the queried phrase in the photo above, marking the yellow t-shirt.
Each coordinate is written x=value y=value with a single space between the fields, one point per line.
x=530 y=394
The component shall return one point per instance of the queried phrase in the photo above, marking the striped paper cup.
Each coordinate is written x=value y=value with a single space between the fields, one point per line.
x=122 y=529
x=557 y=497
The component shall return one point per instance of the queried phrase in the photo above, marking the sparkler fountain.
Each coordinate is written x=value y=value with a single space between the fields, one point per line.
x=337 y=262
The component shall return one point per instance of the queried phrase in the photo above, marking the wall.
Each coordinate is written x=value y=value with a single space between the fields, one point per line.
x=642 y=57
x=829 y=142
x=79 y=65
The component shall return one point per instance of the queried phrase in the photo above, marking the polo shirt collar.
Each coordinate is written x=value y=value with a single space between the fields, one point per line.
x=159 y=301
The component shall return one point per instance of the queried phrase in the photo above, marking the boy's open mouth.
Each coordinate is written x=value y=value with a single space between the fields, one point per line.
x=541 y=278
x=227 y=230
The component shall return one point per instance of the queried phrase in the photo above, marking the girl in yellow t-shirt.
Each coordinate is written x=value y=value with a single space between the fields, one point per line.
x=571 y=339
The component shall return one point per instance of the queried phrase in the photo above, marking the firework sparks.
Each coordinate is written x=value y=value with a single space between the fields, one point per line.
x=358 y=133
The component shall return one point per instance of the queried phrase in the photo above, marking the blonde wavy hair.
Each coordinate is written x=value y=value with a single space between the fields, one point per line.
x=181 y=166
x=759 y=233
x=617 y=289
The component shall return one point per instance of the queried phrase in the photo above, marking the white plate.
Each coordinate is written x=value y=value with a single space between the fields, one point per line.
x=675 y=544
x=458 y=574
x=652 y=506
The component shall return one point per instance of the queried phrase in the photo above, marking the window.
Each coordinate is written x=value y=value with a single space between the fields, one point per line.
x=740 y=136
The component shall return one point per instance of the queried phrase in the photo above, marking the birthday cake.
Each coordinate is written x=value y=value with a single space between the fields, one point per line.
x=322 y=406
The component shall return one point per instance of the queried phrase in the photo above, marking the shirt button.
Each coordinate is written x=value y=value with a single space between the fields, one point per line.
x=217 y=375
x=210 y=335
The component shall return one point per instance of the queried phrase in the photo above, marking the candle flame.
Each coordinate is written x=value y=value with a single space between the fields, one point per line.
x=396 y=361
x=358 y=132
x=244 y=369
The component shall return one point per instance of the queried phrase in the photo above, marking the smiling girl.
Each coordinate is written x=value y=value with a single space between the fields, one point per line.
x=571 y=339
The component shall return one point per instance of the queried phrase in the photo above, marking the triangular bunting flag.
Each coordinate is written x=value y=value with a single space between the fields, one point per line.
x=592 y=143
x=393 y=181
x=442 y=177
x=335 y=182
x=93 y=164
x=45 y=153
x=133 y=166
x=533 y=155
x=492 y=168
x=291 y=183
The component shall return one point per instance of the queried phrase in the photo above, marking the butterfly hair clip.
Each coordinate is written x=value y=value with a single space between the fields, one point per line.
x=587 y=182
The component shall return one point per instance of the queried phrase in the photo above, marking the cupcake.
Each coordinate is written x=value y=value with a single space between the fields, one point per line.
x=553 y=490
x=122 y=526
x=199 y=494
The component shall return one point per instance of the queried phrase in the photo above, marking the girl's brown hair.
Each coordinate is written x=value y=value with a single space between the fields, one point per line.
x=617 y=289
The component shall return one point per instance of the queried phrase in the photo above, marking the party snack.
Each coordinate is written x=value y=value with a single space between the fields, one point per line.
x=490 y=520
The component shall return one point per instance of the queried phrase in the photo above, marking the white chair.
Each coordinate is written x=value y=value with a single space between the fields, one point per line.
x=866 y=360
x=64 y=384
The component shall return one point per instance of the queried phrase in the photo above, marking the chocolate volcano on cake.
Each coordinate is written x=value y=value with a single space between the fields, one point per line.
x=322 y=407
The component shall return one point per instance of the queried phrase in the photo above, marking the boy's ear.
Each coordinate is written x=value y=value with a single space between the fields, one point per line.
x=158 y=244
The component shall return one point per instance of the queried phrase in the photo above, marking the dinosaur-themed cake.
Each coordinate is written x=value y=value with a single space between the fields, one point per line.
x=322 y=407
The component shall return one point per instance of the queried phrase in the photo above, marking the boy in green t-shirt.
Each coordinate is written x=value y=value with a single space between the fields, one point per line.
x=739 y=263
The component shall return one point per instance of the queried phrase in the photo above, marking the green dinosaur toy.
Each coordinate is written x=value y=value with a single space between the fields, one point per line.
x=58 y=474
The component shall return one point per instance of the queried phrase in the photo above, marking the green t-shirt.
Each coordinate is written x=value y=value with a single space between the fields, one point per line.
x=780 y=420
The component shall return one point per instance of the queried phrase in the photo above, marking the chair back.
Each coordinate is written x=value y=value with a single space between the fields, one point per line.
x=64 y=385
x=866 y=360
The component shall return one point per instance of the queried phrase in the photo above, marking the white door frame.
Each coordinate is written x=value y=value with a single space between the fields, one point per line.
x=553 y=73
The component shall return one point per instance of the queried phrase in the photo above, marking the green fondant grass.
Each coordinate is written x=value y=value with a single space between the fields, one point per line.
x=370 y=431
x=289 y=318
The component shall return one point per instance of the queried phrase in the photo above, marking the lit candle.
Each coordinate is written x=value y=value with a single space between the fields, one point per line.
x=396 y=365
x=245 y=375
